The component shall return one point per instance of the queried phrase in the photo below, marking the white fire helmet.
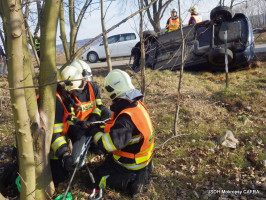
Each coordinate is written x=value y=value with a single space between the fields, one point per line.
x=71 y=73
x=83 y=68
x=193 y=9
x=117 y=84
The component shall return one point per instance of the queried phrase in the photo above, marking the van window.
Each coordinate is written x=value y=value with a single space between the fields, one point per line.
x=113 y=39
x=127 y=37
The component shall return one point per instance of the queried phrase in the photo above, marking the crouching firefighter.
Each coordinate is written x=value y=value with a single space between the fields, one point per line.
x=61 y=159
x=87 y=103
x=128 y=136
x=60 y=154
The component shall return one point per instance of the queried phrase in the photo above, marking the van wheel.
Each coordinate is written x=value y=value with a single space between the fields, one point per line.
x=217 y=56
x=221 y=13
x=92 y=57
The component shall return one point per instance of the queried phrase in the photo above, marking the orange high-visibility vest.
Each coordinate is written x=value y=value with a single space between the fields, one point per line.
x=84 y=109
x=66 y=114
x=173 y=24
x=142 y=121
x=197 y=18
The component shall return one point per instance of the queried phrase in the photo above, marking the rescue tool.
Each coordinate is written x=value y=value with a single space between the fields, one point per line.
x=80 y=159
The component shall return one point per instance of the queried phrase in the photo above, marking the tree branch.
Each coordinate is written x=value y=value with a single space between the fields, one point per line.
x=164 y=8
x=79 y=51
x=43 y=85
x=149 y=14
x=63 y=31
x=169 y=140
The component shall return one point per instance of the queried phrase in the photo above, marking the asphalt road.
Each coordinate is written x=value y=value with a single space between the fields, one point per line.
x=260 y=48
x=117 y=63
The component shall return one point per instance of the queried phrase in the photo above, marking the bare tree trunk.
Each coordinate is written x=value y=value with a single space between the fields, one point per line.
x=39 y=10
x=181 y=74
x=156 y=12
x=48 y=73
x=63 y=32
x=73 y=26
x=108 y=57
x=32 y=44
x=142 y=50
x=14 y=33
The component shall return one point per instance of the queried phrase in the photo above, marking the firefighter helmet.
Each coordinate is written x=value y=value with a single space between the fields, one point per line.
x=83 y=68
x=174 y=10
x=118 y=84
x=71 y=73
x=193 y=9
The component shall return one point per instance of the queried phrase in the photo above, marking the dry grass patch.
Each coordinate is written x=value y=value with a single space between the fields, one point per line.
x=188 y=167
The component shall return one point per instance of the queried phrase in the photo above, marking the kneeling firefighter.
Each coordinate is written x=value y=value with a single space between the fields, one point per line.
x=87 y=103
x=128 y=136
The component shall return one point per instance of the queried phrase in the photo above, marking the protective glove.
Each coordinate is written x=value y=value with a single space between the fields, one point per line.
x=92 y=130
x=75 y=132
x=67 y=163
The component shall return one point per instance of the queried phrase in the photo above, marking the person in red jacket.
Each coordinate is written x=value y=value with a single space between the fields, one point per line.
x=128 y=138
x=173 y=23
x=195 y=17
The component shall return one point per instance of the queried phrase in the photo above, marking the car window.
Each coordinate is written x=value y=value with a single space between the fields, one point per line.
x=127 y=37
x=113 y=39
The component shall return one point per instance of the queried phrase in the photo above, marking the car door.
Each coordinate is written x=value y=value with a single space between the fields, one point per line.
x=112 y=45
x=126 y=43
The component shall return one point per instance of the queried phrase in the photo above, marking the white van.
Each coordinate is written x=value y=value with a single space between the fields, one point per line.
x=119 y=45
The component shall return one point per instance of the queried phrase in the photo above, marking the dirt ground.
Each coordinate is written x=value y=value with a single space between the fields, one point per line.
x=188 y=167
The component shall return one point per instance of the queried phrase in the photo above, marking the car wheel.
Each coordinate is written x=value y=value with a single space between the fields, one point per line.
x=217 y=56
x=92 y=57
x=221 y=13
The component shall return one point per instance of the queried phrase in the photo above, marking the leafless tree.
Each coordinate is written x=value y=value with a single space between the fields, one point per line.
x=75 y=19
x=232 y=3
x=255 y=10
x=105 y=41
x=181 y=74
x=142 y=49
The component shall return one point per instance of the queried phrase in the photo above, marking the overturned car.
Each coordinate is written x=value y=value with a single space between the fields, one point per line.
x=205 y=44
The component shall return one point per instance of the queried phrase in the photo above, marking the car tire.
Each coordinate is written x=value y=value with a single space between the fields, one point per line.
x=92 y=57
x=217 y=56
x=102 y=60
x=221 y=12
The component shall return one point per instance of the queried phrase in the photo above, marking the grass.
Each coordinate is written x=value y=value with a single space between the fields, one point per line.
x=198 y=162
x=260 y=38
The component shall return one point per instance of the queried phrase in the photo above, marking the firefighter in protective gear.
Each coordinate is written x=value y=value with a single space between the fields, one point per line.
x=87 y=103
x=86 y=94
x=173 y=23
x=37 y=40
x=128 y=137
x=66 y=121
x=60 y=155
x=195 y=17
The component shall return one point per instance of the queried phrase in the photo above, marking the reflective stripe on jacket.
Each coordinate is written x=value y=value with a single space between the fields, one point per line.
x=37 y=43
x=142 y=121
x=197 y=18
x=64 y=127
x=174 y=24
x=84 y=109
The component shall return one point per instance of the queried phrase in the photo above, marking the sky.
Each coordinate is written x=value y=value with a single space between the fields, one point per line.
x=91 y=26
